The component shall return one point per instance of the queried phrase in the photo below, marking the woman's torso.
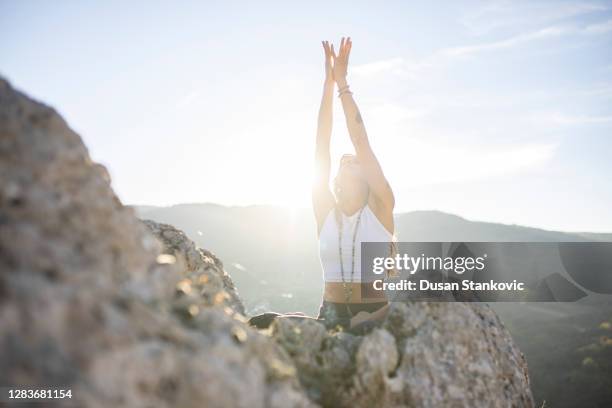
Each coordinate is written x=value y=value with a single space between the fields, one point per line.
x=343 y=281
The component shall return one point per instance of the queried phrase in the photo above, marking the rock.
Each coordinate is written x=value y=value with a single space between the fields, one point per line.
x=457 y=354
x=88 y=304
x=202 y=272
x=423 y=355
x=92 y=301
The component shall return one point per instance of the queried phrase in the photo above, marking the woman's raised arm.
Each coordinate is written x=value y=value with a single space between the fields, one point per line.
x=322 y=198
x=383 y=195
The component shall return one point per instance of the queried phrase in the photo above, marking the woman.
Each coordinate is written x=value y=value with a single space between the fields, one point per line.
x=359 y=209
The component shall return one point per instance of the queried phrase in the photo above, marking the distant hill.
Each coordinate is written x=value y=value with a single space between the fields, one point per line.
x=439 y=226
x=597 y=236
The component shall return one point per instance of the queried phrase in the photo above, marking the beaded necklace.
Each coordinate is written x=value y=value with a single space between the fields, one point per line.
x=348 y=290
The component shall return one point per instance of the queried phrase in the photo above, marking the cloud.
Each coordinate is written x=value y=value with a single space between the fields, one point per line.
x=599 y=28
x=549 y=32
x=433 y=163
x=563 y=119
x=416 y=146
x=379 y=66
x=504 y=14
x=398 y=66
x=411 y=69
x=599 y=90
x=541 y=34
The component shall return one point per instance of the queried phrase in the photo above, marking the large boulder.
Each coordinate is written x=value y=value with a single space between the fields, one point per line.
x=423 y=355
x=90 y=302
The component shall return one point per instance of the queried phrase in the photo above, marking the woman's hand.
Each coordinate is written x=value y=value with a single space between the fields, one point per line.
x=341 y=61
x=329 y=53
x=359 y=318
x=364 y=316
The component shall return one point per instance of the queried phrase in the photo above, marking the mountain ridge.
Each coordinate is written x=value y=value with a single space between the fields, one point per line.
x=436 y=215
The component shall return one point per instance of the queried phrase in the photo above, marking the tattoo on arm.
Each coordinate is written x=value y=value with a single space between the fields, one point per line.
x=358 y=118
x=358 y=136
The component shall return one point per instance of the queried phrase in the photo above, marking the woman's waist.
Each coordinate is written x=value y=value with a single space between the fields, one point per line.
x=339 y=310
x=353 y=292
x=333 y=273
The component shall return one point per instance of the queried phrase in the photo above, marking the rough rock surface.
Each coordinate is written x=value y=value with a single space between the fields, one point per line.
x=88 y=303
x=90 y=300
x=423 y=355
x=205 y=282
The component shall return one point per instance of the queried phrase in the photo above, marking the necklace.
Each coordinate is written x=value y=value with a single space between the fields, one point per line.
x=348 y=290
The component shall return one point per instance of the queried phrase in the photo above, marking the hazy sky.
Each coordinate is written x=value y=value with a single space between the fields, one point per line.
x=497 y=111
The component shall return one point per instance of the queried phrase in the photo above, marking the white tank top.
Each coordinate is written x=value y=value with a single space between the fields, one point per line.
x=370 y=229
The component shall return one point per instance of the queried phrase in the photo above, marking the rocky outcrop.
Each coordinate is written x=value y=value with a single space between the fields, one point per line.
x=423 y=355
x=126 y=313
x=89 y=301
x=204 y=281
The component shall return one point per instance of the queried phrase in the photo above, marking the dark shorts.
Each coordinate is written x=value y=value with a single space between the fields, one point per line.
x=339 y=314
x=331 y=314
